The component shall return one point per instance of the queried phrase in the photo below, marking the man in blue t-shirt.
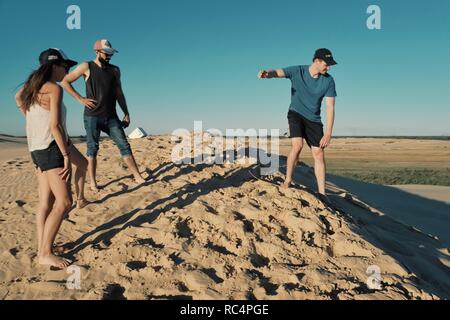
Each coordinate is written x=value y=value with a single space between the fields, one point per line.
x=310 y=84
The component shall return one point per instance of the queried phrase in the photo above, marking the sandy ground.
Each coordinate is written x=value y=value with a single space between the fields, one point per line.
x=210 y=231
x=12 y=147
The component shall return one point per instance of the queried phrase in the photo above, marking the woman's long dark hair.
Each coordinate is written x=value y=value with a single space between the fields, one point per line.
x=33 y=85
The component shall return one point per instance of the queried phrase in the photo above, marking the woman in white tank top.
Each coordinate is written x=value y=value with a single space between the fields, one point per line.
x=40 y=100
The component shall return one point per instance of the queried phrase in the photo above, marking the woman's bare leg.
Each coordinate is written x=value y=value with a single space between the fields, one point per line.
x=46 y=201
x=80 y=163
x=63 y=203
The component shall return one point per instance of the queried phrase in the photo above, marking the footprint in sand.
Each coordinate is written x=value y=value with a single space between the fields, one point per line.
x=219 y=249
x=148 y=242
x=258 y=261
x=136 y=265
x=14 y=251
x=248 y=225
x=308 y=238
x=183 y=229
x=270 y=288
x=20 y=203
x=113 y=291
x=212 y=273
x=175 y=257
x=284 y=235
x=182 y=287
x=328 y=227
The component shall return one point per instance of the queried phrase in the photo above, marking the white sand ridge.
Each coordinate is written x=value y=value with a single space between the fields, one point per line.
x=209 y=231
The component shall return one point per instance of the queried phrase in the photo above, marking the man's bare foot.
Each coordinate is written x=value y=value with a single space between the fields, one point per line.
x=53 y=261
x=324 y=198
x=94 y=187
x=81 y=203
x=286 y=184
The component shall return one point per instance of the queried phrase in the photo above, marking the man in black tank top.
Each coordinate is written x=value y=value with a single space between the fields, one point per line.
x=98 y=88
x=103 y=90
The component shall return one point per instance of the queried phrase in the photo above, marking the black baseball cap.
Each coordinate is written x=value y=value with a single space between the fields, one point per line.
x=325 y=55
x=57 y=56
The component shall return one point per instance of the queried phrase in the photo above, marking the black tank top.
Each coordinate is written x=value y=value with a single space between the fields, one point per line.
x=101 y=86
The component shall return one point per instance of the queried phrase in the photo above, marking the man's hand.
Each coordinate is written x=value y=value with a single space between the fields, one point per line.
x=88 y=103
x=126 y=121
x=269 y=74
x=325 y=141
x=263 y=74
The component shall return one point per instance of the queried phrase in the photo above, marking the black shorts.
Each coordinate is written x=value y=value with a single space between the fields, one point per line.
x=300 y=127
x=49 y=158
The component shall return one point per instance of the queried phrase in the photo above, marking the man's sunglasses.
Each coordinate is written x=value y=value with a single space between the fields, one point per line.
x=107 y=54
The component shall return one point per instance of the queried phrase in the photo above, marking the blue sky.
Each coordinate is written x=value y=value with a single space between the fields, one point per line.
x=197 y=60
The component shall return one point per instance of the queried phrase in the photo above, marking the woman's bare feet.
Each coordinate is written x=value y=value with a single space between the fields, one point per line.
x=81 y=203
x=53 y=261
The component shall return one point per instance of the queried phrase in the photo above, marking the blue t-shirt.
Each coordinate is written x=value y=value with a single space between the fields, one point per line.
x=307 y=92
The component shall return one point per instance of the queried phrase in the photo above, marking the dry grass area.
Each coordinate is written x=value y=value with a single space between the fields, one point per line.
x=385 y=161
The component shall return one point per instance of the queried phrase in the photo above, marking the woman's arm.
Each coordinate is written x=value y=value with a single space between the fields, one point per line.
x=19 y=101
x=57 y=130
x=56 y=94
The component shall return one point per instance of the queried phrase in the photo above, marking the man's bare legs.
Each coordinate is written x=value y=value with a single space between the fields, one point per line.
x=129 y=161
x=319 y=168
x=81 y=164
x=319 y=164
x=92 y=170
x=297 y=145
x=62 y=203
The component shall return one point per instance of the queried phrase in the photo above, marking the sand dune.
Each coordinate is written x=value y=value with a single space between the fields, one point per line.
x=214 y=232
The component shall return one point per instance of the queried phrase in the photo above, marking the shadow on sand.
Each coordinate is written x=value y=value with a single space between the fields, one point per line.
x=419 y=253
x=403 y=230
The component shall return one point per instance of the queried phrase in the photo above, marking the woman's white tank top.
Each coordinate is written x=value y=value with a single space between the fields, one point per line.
x=39 y=134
